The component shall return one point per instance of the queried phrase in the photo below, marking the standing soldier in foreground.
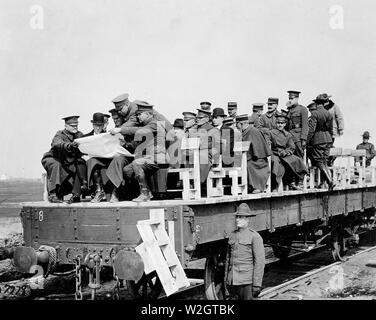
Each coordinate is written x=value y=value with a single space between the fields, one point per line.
x=370 y=149
x=245 y=259
x=320 y=138
x=298 y=122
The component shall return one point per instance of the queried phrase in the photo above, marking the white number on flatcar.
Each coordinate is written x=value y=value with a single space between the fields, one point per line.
x=40 y=216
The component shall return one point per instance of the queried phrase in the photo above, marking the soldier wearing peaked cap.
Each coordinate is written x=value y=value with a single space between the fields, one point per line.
x=66 y=170
x=285 y=165
x=298 y=122
x=254 y=118
x=245 y=260
x=369 y=147
x=319 y=138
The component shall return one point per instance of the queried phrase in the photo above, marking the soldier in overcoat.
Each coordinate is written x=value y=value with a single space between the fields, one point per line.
x=319 y=138
x=285 y=165
x=257 y=157
x=245 y=260
x=298 y=122
x=66 y=170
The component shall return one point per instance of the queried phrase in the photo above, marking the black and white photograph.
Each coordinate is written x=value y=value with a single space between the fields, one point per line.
x=190 y=154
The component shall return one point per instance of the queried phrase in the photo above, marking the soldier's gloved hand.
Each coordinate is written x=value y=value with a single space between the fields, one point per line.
x=69 y=146
x=304 y=143
x=75 y=144
x=256 y=291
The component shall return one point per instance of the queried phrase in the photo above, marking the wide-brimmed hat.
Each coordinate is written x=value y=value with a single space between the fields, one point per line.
x=244 y=211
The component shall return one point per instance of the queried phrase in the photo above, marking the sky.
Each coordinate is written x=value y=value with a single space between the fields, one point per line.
x=174 y=54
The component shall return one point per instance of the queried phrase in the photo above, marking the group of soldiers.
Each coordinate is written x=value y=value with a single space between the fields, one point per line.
x=282 y=134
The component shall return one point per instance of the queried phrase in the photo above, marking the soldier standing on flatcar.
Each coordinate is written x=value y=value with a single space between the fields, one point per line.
x=66 y=170
x=369 y=147
x=245 y=261
x=254 y=118
x=319 y=138
x=298 y=122
x=257 y=157
x=232 y=109
x=285 y=165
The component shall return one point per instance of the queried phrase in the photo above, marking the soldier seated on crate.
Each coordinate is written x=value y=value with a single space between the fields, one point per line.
x=285 y=165
x=245 y=260
x=66 y=170
x=369 y=147
x=151 y=149
x=257 y=157
x=319 y=139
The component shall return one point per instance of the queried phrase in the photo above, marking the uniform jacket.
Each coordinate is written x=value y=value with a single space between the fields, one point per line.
x=152 y=140
x=320 y=126
x=298 y=122
x=60 y=147
x=130 y=119
x=246 y=258
x=370 y=151
x=338 y=121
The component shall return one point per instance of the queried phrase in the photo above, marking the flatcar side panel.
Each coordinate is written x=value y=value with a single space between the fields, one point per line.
x=336 y=203
x=369 y=198
x=354 y=200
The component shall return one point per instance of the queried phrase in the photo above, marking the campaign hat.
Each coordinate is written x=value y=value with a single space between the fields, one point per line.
x=244 y=211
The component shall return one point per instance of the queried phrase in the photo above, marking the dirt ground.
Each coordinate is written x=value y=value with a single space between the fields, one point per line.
x=353 y=279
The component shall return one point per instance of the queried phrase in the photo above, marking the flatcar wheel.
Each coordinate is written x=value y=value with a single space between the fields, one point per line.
x=149 y=287
x=282 y=252
x=338 y=247
x=214 y=277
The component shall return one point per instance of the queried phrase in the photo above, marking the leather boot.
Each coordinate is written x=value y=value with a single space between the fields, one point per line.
x=145 y=194
x=53 y=198
x=74 y=199
x=326 y=175
x=99 y=194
